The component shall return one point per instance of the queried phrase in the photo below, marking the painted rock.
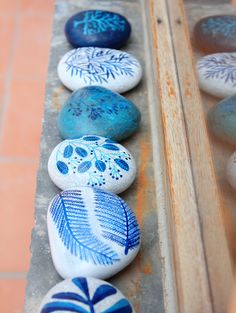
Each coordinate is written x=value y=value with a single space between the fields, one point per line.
x=92 y=161
x=112 y=69
x=231 y=170
x=222 y=120
x=92 y=233
x=100 y=111
x=96 y=28
x=217 y=74
x=216 y=34
x=84 y=295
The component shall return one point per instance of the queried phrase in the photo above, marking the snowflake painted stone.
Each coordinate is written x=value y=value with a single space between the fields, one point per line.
x=217 y=74
x=92 y=233
x=85 y=295
x=109 y=68
x=100 y=111
x=215 y=34
x=222 y=120
x=92 y=161
x=96 y=28
x=231 y=170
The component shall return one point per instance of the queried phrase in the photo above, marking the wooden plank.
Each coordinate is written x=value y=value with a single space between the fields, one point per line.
x=190 y=266
x=208 y=194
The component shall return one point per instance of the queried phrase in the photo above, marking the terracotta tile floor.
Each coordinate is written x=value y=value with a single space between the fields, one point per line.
x=25 y=30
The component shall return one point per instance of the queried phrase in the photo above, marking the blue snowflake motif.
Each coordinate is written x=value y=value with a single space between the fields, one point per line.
x=220 y=66
x=93 y=155
x=97 y=65
x=225 y=25
x=95 y=22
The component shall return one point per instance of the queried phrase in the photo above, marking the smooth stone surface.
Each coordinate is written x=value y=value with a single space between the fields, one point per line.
x=215 y=34
x=222 y=120
x=231 y=170
x=217 y=74
x=84 y=295
x=96 y=28
x=92 y=161
x=91 y=233
x=98 y=111
x=109 y=68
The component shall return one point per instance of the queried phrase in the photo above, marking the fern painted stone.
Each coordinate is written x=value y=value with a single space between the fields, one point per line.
x=85 y=295
x=112 y=69
x=217 y=74
x=96 y=28
x=216 y=34
x=92 y=161
x=231 y=170
x=222 y=120
x=100 y=111
x=92 y=233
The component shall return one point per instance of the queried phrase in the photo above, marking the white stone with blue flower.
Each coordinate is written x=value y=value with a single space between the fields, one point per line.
x=92 y=161
x=92 y=66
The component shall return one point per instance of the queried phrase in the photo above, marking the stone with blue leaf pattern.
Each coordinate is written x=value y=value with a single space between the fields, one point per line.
x=100 y=111
x=92 y=161
x=92 y=233
x=97 y=28
x=215 y=33
x=92 y=66
x=85 y=295
x=217 y=74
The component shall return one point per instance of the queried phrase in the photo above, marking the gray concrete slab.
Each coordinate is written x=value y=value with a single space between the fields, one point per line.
x=141 y=282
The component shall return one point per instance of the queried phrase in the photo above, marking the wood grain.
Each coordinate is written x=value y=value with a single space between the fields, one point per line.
x=201 y=254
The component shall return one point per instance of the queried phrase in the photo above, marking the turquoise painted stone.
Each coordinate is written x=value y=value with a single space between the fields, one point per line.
x=98 y=111
x=222 y=120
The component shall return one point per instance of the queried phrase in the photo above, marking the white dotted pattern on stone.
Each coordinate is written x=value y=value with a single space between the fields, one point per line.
x=217 y=74
x=91 y=233
x=90 y=66
x=92 y=161
x=84 y=295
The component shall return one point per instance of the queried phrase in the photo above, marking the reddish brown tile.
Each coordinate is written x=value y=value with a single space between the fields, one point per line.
x=22 y=124
x=37 y=6
x=17 y=188
x=12 y=295
x=9 y=6
x=32 y=48
x=7 y=28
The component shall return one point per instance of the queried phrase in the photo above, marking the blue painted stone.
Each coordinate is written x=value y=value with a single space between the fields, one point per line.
x=215 y=34
x=84 y=295
x=96 y=28
x=92 y=233
x=98 y=111
x=222 y=120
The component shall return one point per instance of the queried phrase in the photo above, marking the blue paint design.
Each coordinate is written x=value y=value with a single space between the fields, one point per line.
x=68 y=151
x=94 y=22
x=93 y=155
x=96 y=65
x=102 y=292
x=117 y=220
x=220 y=25
x=222 y=66
x=71 y=219
x=62 y=167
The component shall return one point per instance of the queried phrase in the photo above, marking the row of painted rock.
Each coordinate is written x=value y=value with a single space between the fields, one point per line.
x=93 y=233
x=217 y=76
